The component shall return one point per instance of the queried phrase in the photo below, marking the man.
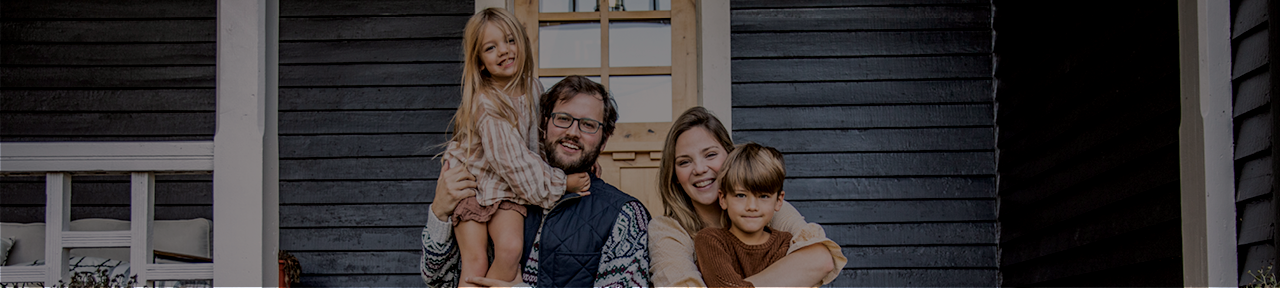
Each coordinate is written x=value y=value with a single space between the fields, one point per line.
x=594 y=239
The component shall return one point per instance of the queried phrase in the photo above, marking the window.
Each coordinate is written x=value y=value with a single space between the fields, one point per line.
x=643 y=51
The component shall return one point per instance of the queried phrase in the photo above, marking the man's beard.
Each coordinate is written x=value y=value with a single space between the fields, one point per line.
x=583 y=164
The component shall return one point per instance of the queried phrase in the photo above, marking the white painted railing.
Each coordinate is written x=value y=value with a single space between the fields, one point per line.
x=57 y=161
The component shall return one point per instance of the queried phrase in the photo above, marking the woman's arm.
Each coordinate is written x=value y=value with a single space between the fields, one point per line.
x=804 y=265
x=671 y=255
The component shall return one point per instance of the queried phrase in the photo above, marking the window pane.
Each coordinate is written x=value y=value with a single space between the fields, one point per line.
x=550 y=6
x=547 y=82
x=639 y=43
x=587 y=5
x=642 y=5
x=565 y=45
x=663 y=5
x=642 y=98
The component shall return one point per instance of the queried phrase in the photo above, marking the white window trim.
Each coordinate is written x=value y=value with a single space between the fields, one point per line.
x=1205 y=145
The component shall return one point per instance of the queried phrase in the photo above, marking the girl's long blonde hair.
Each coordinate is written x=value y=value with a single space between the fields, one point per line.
x=674 y=198
x=476 y=82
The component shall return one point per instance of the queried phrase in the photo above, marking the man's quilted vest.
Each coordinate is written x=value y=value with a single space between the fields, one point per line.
x=573 y=233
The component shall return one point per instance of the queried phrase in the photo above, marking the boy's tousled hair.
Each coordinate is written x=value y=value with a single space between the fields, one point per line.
x=753 y=167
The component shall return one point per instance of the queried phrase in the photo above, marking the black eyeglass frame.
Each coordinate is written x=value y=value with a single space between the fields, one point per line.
x=552 y=118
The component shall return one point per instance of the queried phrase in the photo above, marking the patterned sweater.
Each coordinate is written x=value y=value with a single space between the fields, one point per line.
x=624 y=261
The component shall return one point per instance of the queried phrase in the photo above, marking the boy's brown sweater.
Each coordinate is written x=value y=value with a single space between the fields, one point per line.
x=725 y=261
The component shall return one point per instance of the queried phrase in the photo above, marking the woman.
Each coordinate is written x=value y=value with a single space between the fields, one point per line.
x=694 y=150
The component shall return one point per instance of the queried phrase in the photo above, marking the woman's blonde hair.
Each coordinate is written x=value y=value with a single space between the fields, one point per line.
x=674 y=198
x=477 y=82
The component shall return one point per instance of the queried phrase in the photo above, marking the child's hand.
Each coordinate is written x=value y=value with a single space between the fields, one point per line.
x=578 y=182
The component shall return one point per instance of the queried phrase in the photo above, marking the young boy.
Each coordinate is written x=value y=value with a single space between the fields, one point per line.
x=750 y=192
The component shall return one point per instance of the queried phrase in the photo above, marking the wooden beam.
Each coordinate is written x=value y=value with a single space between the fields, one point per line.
x=107 y=156
x=1207 y=171
x=714 y=87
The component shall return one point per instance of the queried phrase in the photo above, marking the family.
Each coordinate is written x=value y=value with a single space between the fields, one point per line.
x=518 y=203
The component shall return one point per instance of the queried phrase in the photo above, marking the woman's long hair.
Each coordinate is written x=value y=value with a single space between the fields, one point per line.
x=476 y=82
x=677 y=202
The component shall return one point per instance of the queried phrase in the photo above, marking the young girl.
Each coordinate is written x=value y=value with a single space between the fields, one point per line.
x=495 y=136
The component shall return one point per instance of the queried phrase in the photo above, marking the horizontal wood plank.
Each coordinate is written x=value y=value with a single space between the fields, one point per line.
x=891 y=164
x=861 y=117
x=1256 y=257
x=341 y=192
x=1257 y=222
x=365 y=122
x=108 y=77
x=861 y=18
x=352 y=28
x=912 y=234
x=375 y=98
x=869 y=140
x=921 y=257
x=871 y=92
x=413 y=168
x=380 y=215
x=107 y=124
x=1138 y=213
x=889 y=188
x=1254 y=178
x=384 y=8
x=746 y=4
x=359 y=280
x=108 y=100
x=110 y=193
x=1137 y=155
x=851 y=69
x=108 y=54
x=862 y=43
x=1247 y=15
x=30 y=214
x=838 y=212
x=370 y=75
x=347 y=239
x=1253 y=135
x=917 y=278
x=1138 y=247
x=1252 y=92
x=357 y=51
x=293 y=147
x=98 y=9
x=167 y=30
x=1250 y=54
x=359 y=262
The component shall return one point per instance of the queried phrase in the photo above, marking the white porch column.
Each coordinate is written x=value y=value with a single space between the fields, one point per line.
x=245 y=176
x=713 y=60
x=1205 y=144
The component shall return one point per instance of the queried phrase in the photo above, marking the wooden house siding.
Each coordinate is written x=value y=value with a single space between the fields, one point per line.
x=1252 y=47
x=80 y=70
x=883 y=111
x=1087 y=138
x=365 y=91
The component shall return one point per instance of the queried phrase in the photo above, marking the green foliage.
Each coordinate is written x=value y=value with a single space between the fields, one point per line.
x=1264 y=278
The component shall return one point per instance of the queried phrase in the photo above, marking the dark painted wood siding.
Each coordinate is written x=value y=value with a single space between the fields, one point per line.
x=1252 y=88
x=1087 y=137
x=84 y=70
x=365 y=89
x=883 y=110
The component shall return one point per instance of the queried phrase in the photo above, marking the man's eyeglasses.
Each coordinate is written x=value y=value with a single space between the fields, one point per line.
x=586 y=125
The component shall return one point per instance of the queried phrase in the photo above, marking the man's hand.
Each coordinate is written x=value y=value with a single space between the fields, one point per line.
x=486 y=282
x=455 y=184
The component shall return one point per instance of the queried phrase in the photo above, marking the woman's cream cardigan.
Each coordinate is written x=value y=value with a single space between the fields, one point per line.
x=671 y=248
